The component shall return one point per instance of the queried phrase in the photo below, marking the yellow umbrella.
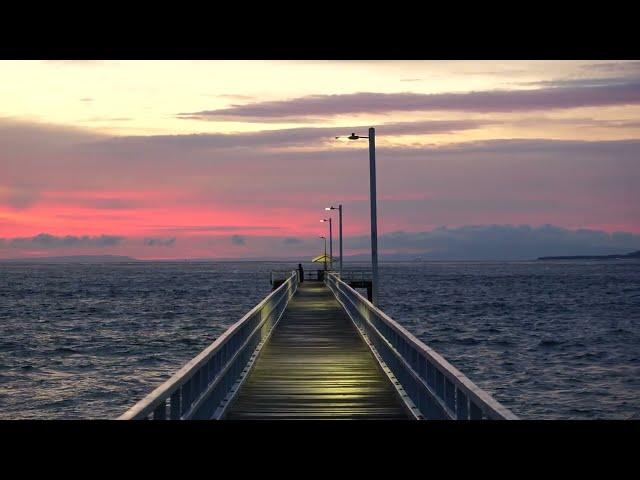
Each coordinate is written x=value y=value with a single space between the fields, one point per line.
x=321 y=259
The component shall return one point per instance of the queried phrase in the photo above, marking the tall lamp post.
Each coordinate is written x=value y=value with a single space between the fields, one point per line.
x=340 y=219
x=374 y=216
x=325 y=252
x=330 y=240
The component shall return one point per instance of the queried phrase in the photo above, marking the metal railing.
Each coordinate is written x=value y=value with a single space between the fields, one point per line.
x=275 y=275
x=354 y=275
x=198 y=389
x=436 y=388
x=309 y=274
x=313 y=274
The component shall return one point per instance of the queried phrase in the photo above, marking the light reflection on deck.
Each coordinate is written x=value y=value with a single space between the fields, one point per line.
x=315 y=366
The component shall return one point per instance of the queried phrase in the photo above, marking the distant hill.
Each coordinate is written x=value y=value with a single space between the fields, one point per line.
x=635 y=254
x=72 y=259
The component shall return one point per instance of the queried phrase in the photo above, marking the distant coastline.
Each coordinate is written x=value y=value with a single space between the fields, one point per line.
x=72 y=259
x=621 y=256
x=349 y=259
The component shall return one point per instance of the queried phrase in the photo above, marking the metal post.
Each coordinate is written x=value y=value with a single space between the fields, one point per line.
x=340 y=212
x=330 y=243
x=374 y=215
x=325 y=253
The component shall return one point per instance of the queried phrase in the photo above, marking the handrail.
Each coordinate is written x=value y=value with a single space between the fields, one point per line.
x=312 y=274
x=354 y=275
x=437 y=388
x=279 y=274
x=196 y=390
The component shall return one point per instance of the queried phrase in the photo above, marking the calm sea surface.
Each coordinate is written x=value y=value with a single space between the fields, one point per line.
x=548 y=339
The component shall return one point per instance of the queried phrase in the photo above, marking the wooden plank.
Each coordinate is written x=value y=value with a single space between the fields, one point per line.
x=315 y=366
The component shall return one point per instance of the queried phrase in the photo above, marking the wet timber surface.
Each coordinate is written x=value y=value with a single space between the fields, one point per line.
x=316 y=366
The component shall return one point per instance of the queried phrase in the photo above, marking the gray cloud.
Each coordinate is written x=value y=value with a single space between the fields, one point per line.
x=295 y=136
x=502 y=242
x=160 y=242
x=577 y=122
x=45 y=240
x=481 y=101
x=26 y=139
x=506 y=181
x=19 y=198
x=527 y=146
x=211 y=228
x=585 y=82
x=238 y=240
x=109 y=203
x=291 y=241
x=633 y=66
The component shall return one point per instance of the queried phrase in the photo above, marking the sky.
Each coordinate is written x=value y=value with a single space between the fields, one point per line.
x=237 y=159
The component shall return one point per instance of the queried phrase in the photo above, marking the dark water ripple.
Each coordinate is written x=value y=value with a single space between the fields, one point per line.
x=549 y=340
x=86 y=341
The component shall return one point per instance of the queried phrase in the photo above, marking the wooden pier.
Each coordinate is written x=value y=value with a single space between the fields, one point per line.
x=317 y=350
x=316 y=366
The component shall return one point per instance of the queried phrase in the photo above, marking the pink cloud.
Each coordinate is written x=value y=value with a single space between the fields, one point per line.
x=200 y=189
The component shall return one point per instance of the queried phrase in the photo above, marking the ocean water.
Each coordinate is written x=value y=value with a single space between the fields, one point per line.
x=550 y=340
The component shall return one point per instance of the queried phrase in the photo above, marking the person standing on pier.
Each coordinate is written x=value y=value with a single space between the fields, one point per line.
x=300 y=273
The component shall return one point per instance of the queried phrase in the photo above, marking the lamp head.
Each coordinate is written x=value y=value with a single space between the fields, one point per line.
x=353 y=136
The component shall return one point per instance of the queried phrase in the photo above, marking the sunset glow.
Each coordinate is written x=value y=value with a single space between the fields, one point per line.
x=237 y=159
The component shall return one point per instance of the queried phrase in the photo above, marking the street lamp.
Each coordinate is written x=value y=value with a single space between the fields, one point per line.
x=330 y=240
x=374 y=219
x=325 y=252
x=339 y=208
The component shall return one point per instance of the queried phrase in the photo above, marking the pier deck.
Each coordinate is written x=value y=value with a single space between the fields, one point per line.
x=316 y=366
x=317 y=350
